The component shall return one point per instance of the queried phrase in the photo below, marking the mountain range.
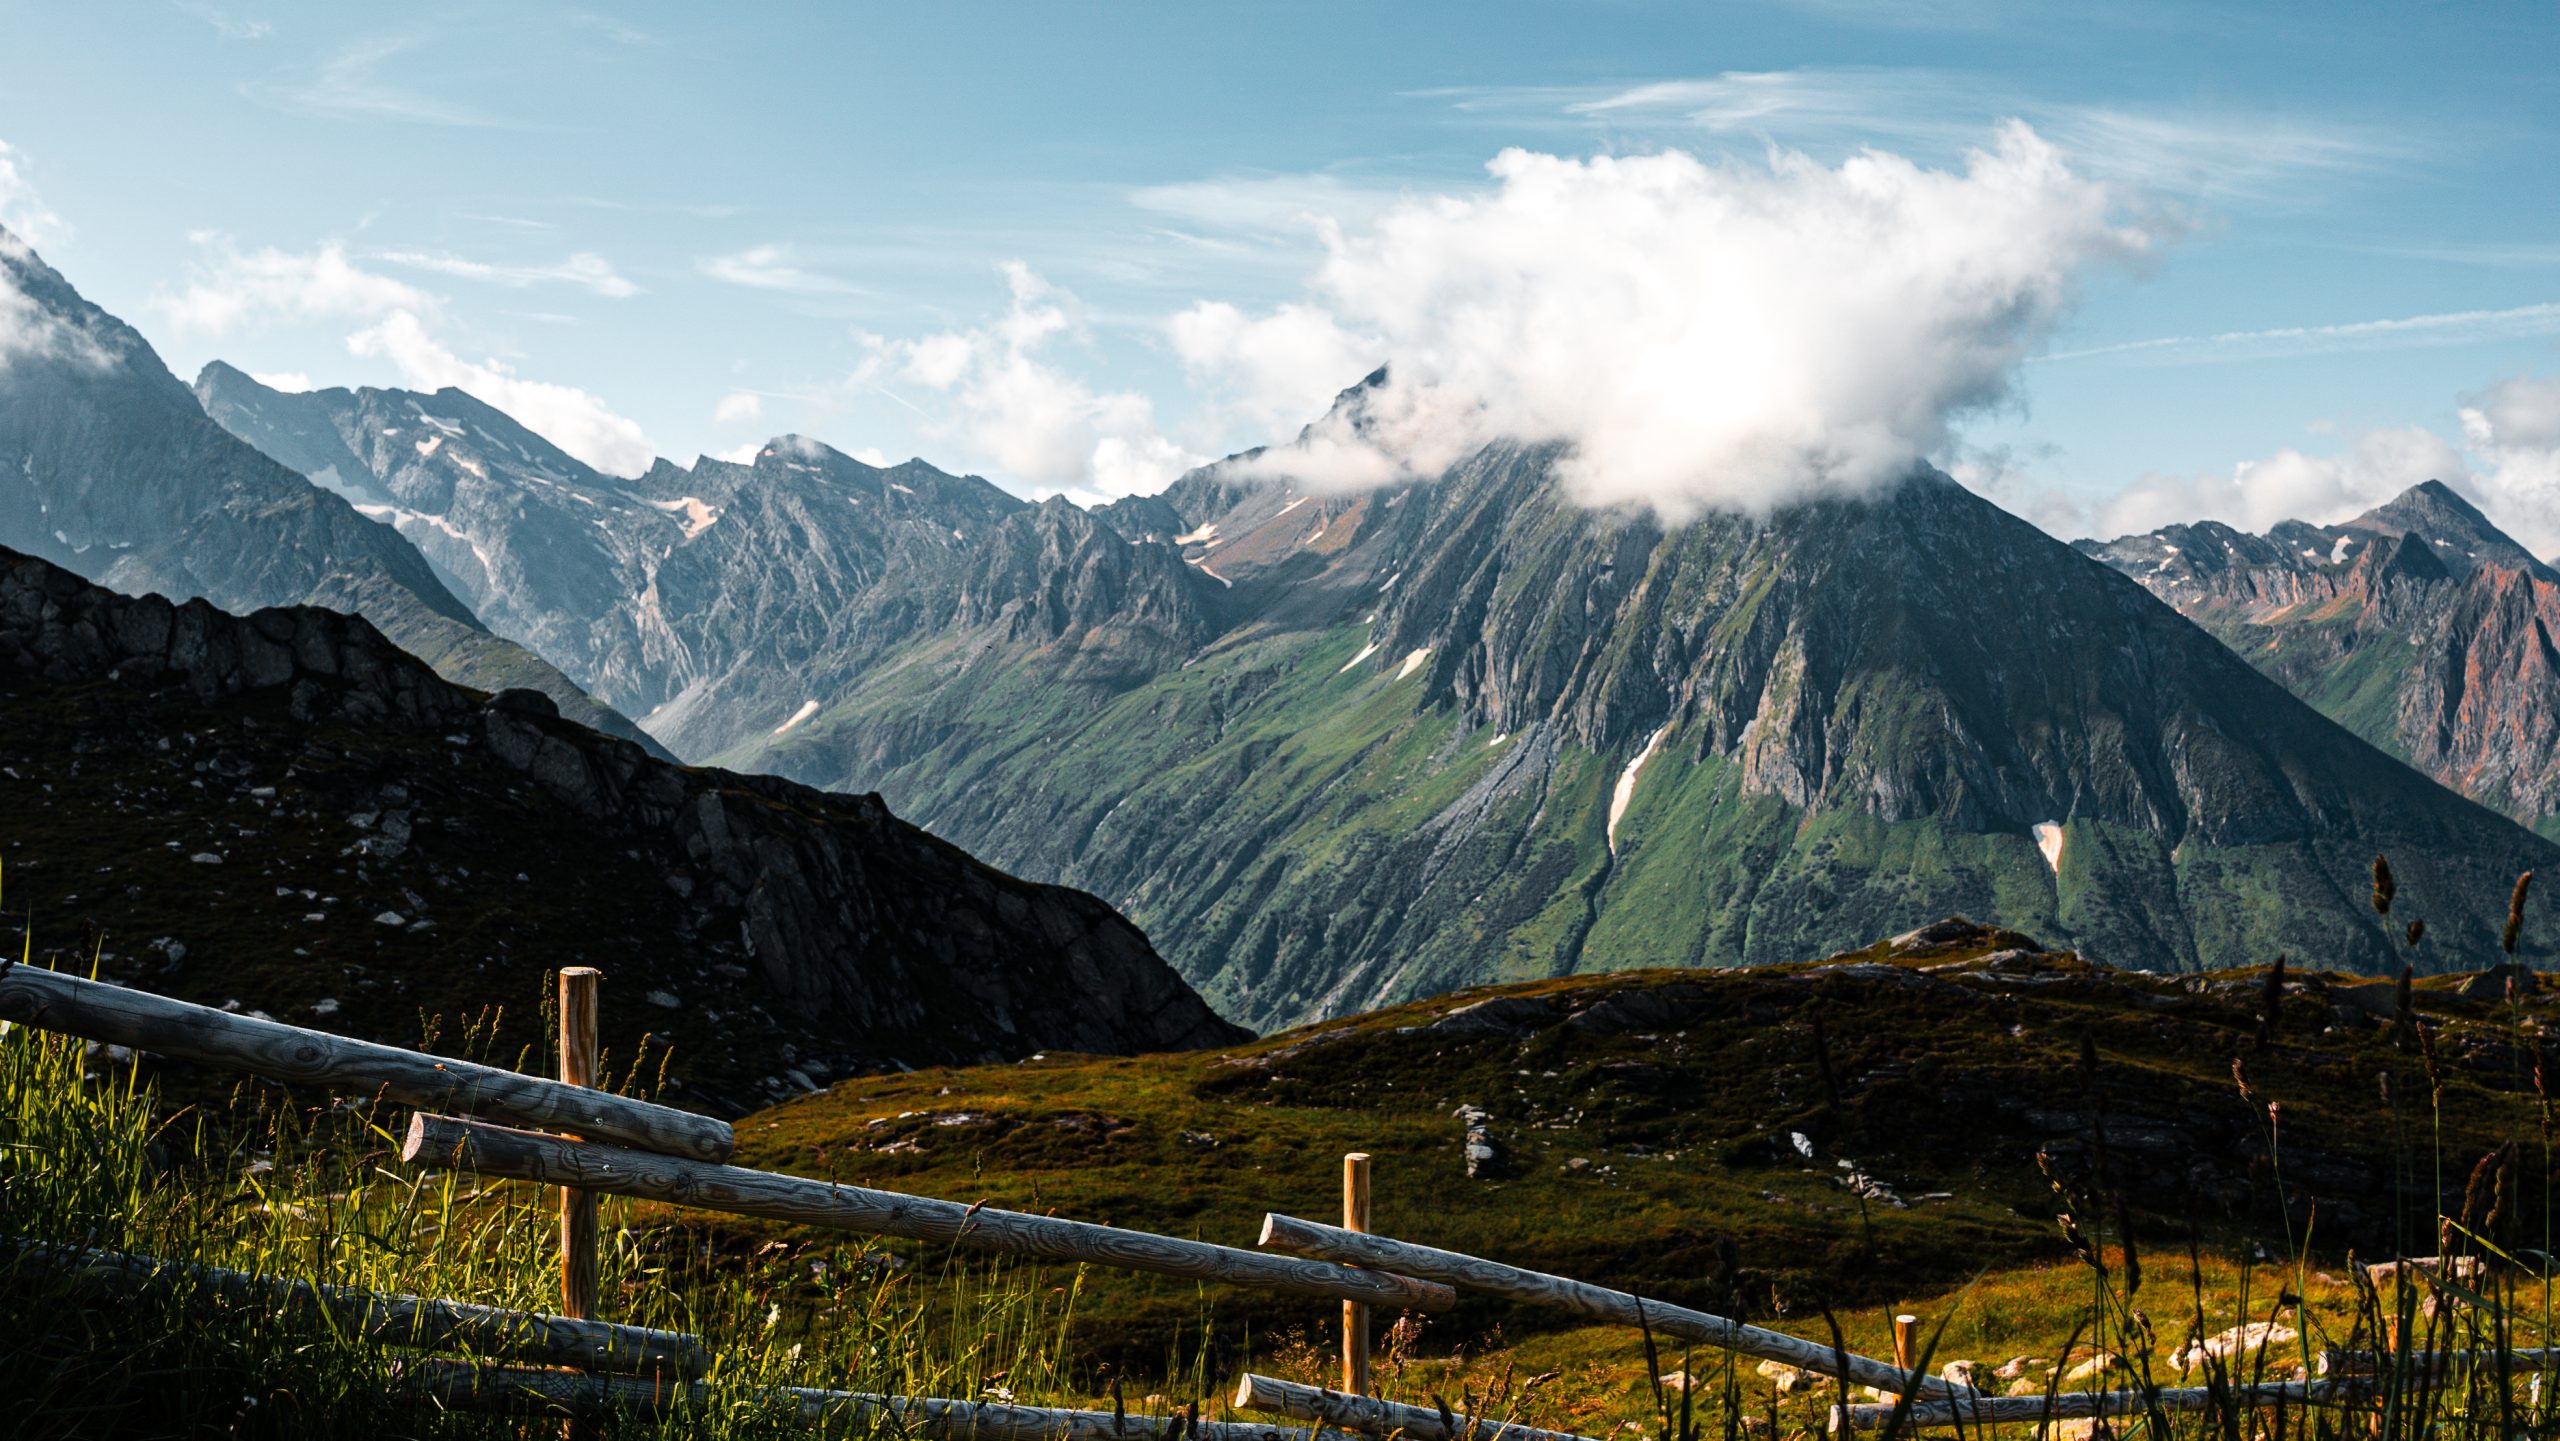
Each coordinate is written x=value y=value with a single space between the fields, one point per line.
x=1339 y=749
x=2419 y=625
x=108 y=466
x=284 y=810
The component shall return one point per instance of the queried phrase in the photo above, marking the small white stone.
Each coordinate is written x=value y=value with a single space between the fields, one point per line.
x=391 y=918
x=665 y=1000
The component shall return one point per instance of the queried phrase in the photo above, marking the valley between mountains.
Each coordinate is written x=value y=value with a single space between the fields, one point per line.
x=963 y=843
x=1338 y=750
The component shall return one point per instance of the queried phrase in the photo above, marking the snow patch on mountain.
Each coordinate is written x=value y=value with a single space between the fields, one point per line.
x=1626 y=789
x=698 y=514
x=2049 y=841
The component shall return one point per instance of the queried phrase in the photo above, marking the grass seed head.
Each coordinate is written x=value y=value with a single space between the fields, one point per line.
x=2383 y=886
x=2515 y=914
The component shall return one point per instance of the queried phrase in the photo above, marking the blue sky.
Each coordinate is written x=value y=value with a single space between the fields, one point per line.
x=936 y=230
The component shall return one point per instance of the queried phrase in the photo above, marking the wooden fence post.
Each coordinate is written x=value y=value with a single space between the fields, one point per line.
x=578 y=987
x=1906 y=1342
x=1355 y=1315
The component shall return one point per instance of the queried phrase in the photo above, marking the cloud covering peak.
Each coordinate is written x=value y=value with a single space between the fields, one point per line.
x=1701 y=335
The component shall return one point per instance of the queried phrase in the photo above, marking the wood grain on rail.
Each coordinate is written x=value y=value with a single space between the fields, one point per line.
x=1372 y=1417
x=520 y=1389
x=101 y=1012
x=551 y=1160
x=1580 y=1298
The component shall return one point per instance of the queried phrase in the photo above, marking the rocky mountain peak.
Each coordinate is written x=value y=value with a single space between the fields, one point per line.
x=1055 y=573
x=868 y=939
x=2452 y=526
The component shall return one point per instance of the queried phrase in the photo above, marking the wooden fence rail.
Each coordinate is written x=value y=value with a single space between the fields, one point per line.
x=416 y=1322
x=2435 y=1363
x=145 y=1022
x=1372 y=1417
x=528 y=1156
x=1580 y=1298
x=462 y=1386
x=2077 y=1405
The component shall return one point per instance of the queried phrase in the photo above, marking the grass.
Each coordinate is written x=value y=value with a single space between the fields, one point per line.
x=1689 y=1188
x=270 y=1185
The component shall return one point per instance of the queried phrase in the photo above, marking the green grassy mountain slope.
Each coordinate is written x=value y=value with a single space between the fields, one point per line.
x=1470 y=730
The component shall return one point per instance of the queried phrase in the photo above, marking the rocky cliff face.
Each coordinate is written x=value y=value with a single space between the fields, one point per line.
x=291 y=781
x=1055 y=576
x=2418 y=625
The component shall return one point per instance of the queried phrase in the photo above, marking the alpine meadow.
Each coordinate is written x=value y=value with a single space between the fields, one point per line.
x=1560 y=720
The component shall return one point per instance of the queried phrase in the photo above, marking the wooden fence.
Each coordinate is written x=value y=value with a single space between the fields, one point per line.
x=590 y=1142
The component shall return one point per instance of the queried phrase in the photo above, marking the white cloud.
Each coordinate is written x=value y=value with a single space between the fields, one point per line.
x=292 y=382
x=738 y=407
x=573 y=419
x=773 y=267
x=22 y=211
x=1703 y=335
x=2507 y=460
x=2521 y=411
x=232 y=289
x=29 y=330
x=1273 y=372
x=743 y=453
x=585 y=269
x=2514 y=428
x=2291 y=484
x=1012 y=409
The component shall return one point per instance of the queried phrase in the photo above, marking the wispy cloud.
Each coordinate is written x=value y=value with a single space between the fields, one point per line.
x=2217 y=152
x=699 y=211
x=1300 y=203
x=225 y=23
x=774 y=267
x=584 y=269
x=350 y=85
x=2509 y=255
x=2455 y=327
